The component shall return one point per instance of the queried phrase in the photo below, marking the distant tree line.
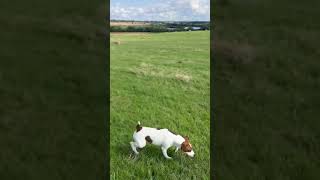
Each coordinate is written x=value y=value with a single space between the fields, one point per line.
x=151 y=28
x=163 y=27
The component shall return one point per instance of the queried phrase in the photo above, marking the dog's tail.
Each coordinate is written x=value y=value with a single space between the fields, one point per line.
x=138 y=127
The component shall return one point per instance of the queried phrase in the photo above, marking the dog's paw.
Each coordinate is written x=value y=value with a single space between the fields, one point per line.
x=133 y=157
x=132 y=153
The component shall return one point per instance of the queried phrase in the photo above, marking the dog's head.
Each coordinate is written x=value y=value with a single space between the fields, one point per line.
x=186 y=147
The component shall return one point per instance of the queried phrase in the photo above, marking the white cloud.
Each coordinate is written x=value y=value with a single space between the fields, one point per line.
x=201 y=7
x=163 y=10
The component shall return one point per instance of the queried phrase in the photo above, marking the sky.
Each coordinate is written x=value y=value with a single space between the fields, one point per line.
x=160 y=10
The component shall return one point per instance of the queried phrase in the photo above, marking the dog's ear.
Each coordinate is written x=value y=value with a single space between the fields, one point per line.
x=186 y=146
x=186 y=138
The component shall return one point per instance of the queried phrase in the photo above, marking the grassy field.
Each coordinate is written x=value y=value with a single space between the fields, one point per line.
x=53 y=97
x=266 y=79
x=161 y=80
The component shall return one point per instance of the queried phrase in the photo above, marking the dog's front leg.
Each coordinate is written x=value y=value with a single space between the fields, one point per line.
x=164 y=152
x=177 y=149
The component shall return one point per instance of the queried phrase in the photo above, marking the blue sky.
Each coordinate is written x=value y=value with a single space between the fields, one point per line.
x=160 y=10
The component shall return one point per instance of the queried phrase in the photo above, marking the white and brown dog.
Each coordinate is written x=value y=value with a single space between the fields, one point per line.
x=160 y=137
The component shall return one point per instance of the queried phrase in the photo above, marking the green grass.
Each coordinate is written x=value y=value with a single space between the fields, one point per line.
x=161 y=80
x=266 y=79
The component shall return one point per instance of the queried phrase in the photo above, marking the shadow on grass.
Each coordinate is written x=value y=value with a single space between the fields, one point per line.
x=151 y=152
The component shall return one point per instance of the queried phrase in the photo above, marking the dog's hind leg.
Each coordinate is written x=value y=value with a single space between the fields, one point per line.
x=140 y=143
x=164 y=152
x=134 y=147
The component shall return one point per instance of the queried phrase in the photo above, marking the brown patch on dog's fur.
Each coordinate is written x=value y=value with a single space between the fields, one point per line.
x=148 y=139
x=138 y=127
x=158 y=128
x=186 y=146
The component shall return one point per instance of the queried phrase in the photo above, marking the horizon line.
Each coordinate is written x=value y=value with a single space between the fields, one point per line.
x=161 y=20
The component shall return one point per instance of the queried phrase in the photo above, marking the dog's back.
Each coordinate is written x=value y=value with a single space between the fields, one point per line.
x=152 y=135
x=148 y=130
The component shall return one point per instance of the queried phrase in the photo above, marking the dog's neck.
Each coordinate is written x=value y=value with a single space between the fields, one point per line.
x=178 y=140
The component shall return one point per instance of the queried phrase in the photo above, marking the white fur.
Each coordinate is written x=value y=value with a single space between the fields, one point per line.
x=163 y=138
